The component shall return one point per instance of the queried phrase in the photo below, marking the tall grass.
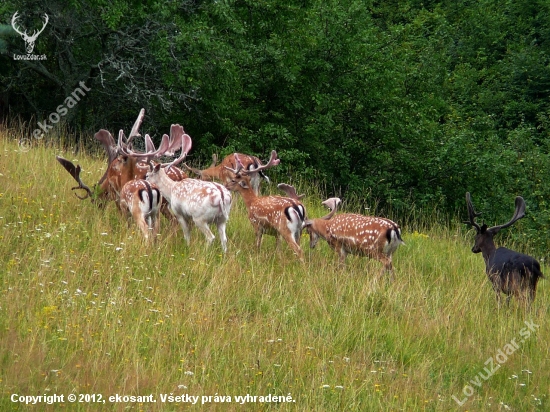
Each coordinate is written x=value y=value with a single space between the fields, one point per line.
x=87 y=307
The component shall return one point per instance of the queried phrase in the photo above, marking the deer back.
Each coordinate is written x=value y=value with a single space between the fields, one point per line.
x=276 y=211
x=140 y=194
x=363 y=233
x=193 y=197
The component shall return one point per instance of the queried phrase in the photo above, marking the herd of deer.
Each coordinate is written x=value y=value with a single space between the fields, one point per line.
x=142 y=188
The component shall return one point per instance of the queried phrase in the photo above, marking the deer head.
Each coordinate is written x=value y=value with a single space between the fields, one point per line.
x=484 y=236
x=29 y=40
x=118 y=172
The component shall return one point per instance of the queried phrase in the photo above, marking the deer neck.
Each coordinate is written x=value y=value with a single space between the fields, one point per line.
x=488 y=252
x=320 y=227
x=248 y=196
x=165 y=184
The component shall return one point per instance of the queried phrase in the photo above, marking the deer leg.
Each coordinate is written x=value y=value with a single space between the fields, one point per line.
x=259 y=233
x=185 y=227
x=341 y=255
x=223 y=237
x=297 y=236
x=142 y=224
x=155 y=226
x=125 y=211
x=166 y=211
x=387 y=262
x=294 y=246
x=203 y=227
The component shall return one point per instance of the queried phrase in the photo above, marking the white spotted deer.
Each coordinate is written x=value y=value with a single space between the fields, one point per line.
x=191 y=200
x=224 y=171
x=273 y=215
x=348 y=233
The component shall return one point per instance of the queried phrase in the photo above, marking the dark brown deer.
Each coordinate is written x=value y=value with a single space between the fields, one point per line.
x=510 y=272
x=375 y=237
x=121 y=168
x=224 y=172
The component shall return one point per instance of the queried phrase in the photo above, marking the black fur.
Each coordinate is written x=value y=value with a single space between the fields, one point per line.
x=297 y=209
x=149 y=190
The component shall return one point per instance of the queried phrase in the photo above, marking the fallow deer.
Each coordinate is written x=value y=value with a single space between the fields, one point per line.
x=375 y=237
x=273 y=215
x=141 y=200
x=191 y=200
x=510 y=272
x=224 y=171
x=120 y=168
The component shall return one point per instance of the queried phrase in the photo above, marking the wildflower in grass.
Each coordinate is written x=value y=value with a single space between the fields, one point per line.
x=417 y=235
x=189 y=373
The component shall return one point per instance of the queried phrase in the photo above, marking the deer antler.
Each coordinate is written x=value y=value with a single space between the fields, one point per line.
x=74 y=171
x=519 y=213
x=472 y=213
x=273 y=161
x=137 y=124
x=214 y=159
x=332 y=203
x=290 y=191
x=168 y=146
x=238 y=166
x=13 y=20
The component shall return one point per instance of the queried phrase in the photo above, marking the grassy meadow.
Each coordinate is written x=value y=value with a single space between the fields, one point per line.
x=87 y=307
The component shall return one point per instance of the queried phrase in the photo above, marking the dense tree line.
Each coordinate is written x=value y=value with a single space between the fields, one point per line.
x=402 y=102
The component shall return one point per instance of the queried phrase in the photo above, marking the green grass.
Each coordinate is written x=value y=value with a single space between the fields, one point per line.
x=87 y=307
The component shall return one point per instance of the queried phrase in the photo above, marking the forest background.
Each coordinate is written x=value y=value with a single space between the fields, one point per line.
x=403 y=104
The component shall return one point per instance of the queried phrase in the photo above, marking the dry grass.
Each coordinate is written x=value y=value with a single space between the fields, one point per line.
x=86 y=307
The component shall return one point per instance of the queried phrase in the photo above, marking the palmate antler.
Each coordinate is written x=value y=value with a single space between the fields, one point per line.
x=519 y=213
x=169 y=145
x=239 y=168
x=472 y=214
x=74 y=171
x=112 y=149
x=290 y=191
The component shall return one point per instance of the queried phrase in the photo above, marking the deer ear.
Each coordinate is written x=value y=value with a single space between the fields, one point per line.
x=483 y=228
x=157 y=167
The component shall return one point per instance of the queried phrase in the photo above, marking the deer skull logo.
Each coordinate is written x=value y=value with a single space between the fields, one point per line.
x=29 y=40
